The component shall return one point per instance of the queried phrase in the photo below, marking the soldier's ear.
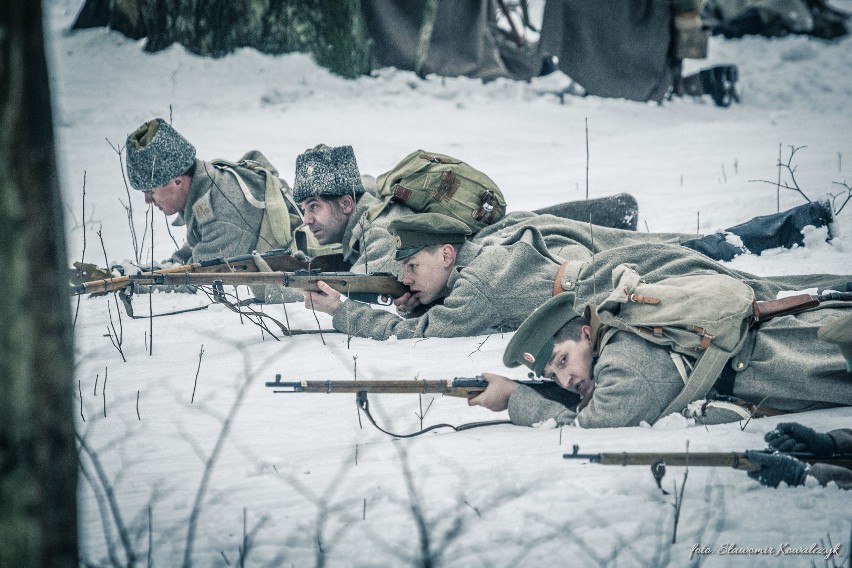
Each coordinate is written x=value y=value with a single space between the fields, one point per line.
x=347 y=204
x=448 y=254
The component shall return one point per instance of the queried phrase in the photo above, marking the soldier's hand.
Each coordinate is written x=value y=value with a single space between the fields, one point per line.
x=795 y=437
x=259 y=262
x=327 y=300
x=777 y=468
x=406 y=303
x=299 y=255
x=496 y=396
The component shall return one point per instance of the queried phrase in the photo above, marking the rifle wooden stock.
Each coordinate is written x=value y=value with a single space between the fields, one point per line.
x=736 y=460
x=278 y=260
x=344 y=282
x=460 y=386
x=768 y=309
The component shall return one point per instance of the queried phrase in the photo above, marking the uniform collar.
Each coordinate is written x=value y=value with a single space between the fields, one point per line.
x=352 y=234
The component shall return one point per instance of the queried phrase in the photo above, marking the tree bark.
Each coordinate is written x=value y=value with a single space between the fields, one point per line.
x=38 y=459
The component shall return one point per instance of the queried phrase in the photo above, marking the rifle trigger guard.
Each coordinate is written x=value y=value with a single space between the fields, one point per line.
x=658 y=470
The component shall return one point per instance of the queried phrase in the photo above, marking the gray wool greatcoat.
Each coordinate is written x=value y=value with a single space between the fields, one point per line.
x=509 y=269
x=220 y=221
x=783 y=365
x=368 y=245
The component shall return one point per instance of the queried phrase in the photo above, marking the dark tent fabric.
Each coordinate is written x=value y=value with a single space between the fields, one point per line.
x=613 y=48
x=462 y=42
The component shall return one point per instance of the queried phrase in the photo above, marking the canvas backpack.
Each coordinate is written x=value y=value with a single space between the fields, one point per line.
x=280 y=226
x=703 y=319
x=437 y=183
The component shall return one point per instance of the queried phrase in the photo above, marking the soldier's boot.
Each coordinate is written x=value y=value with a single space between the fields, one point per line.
x=720 y=82
x=615 y=211
x=782 y=229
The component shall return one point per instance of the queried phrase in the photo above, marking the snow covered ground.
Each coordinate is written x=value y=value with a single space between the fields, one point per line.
x=300 y=480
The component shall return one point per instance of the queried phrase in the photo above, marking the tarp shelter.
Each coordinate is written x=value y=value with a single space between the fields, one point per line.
x=464 y=39
x=613 y=49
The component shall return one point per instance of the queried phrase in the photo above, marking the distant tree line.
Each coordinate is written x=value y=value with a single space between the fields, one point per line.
x=331 y=30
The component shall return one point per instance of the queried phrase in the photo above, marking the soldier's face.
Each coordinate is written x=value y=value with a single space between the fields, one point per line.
x=427 y=272
x=327 y=219
x=570 y=365
x=170 y=197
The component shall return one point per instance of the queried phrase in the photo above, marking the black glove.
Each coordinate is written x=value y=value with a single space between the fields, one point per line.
x=794 y=437
x=777 y=468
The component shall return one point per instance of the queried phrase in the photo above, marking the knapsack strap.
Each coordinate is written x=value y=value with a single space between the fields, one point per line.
x=277 y=214
x=680 y=364
x=706 y=371
x=246 y=191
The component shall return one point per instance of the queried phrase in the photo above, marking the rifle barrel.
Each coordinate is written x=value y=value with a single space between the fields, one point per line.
x=736 y=460
x=460 y=386
x=451 y=387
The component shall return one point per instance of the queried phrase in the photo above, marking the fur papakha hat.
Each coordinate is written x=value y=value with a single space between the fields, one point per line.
x=325 y=171
x=532 y=344
x=415 y=232
x=157 y=154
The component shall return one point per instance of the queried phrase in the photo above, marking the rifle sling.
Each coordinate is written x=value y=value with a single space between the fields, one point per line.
x=364 y=405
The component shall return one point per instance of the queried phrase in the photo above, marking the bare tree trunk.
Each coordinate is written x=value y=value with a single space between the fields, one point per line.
x=38 y=460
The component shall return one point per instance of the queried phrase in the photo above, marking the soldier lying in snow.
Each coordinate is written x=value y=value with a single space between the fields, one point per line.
x=462 y=287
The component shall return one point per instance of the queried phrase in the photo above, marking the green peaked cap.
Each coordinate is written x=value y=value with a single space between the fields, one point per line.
x=414 y=232
x=532 y=344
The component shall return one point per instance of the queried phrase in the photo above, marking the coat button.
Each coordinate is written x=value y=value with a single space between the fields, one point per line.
x=740 y=365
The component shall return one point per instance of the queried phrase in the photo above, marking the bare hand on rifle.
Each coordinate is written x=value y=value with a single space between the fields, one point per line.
x=327 y=300
x=496 y=396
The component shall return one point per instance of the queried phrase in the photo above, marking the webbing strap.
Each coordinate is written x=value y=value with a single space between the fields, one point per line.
x=277 y=214
x=681 y=367
x=701 y=379
x=246 y=192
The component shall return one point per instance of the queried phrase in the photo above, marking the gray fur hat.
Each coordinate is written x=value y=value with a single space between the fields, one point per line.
x=327 y=172
x=157 y=154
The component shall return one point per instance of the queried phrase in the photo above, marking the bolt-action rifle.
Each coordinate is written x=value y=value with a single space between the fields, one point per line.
x=278 y=260
x=461 y=386
x=659 y=460
x=376 y=288
x=464 y=387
